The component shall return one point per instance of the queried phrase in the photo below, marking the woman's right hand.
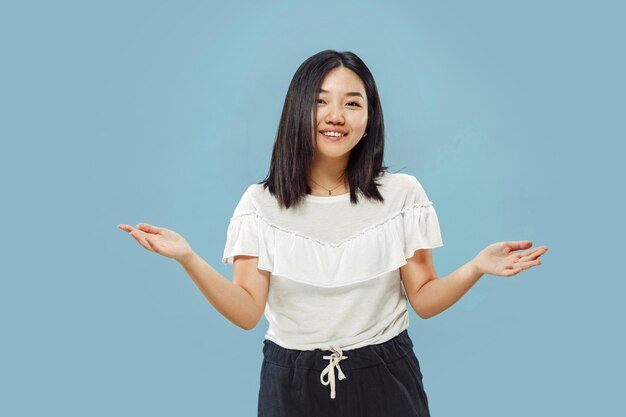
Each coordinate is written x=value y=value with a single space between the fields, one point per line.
x=160 y=240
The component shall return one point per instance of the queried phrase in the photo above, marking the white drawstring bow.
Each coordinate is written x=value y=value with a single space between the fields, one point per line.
x=334 y=359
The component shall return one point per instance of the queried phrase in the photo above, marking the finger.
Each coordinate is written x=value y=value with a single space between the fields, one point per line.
x=140 y=237
x=533 y=253
x=148 y=228
x=150 y=242
x=510 y=271
x=125 y=227
x=527 y=264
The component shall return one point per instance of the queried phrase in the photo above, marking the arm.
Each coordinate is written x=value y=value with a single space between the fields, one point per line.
x=428 y=294
x=241 y=301
x=438 y=294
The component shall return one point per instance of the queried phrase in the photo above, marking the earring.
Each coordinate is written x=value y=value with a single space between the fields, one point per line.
x=364 y=134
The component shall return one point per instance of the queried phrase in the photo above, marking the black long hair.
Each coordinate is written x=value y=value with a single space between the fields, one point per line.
x=294 y=148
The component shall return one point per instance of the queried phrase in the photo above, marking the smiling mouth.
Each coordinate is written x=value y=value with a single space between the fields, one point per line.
x=335 y=136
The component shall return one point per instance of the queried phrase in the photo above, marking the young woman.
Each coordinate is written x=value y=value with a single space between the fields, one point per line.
x=329 y=247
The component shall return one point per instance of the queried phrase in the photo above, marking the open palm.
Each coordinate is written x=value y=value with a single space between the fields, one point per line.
x=163 y=241
x=500 y=259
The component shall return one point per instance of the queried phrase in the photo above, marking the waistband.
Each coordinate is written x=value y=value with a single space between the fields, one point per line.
x=326 y=361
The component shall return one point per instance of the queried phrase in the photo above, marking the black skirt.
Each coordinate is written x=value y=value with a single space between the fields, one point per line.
x=382 y=380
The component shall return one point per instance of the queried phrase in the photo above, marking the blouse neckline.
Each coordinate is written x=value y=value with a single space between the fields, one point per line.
x=330 y=198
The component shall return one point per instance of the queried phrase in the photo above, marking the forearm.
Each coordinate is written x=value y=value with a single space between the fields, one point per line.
x=232 y=301
x=437 y=295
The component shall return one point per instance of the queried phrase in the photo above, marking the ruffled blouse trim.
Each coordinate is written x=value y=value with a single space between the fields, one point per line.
x=376 y=250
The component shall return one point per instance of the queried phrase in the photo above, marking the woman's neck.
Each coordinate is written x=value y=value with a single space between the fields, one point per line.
x=330 y=175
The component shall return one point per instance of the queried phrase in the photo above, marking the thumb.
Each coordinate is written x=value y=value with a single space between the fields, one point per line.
x=148 y=228
x=520 y=244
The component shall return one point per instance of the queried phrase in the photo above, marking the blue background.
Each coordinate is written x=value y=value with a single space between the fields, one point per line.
x=511 y=114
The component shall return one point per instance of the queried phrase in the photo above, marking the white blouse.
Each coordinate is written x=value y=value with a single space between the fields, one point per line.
x=335 y=267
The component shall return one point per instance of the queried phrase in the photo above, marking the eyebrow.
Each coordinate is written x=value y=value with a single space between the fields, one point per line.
x=350 y=94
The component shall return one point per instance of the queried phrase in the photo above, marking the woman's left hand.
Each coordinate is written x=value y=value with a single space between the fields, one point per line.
x=500 y=260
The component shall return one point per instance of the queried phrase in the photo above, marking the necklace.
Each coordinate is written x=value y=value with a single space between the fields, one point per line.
x=329 y=191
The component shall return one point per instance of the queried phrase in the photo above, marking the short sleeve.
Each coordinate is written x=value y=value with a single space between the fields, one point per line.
x=419 y=220
x=242 y=236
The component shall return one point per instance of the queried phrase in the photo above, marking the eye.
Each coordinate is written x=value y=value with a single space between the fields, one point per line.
x=352 y=103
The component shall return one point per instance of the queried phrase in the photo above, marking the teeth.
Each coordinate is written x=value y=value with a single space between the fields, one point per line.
x=332 y=134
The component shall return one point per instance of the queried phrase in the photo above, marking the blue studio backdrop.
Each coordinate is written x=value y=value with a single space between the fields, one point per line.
x=509 y=113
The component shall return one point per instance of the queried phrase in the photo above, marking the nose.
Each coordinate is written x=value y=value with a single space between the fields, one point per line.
x=335 y=114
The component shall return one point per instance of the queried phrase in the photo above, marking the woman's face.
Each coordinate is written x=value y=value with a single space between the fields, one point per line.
x=341 y=106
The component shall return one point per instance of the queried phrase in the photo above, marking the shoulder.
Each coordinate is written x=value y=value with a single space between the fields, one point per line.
x=400 y=179
x=249 y=200
x=406 y=185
